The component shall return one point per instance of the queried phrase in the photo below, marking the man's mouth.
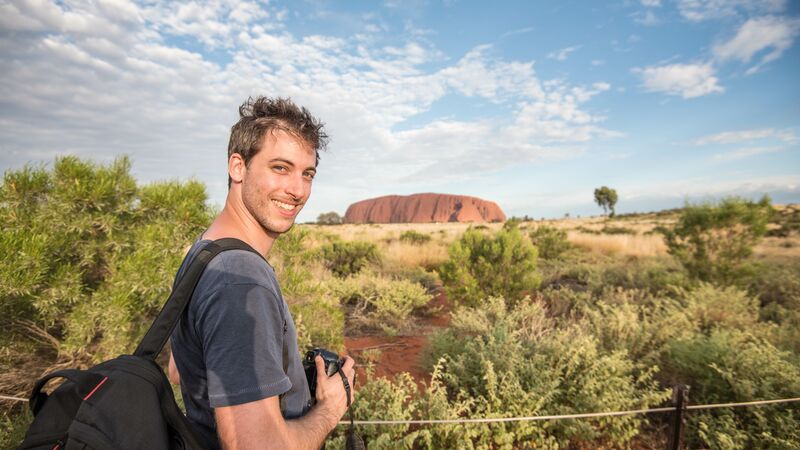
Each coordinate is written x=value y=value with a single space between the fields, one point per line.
x=284 y=206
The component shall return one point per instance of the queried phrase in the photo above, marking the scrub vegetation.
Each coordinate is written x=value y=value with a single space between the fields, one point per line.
x=532 y=317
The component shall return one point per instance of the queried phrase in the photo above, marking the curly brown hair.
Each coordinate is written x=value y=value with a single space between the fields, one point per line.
x=261 y=115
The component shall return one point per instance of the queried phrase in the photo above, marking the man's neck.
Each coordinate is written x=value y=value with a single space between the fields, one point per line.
x=236 y=222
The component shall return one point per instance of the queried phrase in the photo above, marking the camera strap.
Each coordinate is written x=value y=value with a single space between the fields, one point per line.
x=354 y=441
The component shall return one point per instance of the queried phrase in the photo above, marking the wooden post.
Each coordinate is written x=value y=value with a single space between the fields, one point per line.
x=680 y=398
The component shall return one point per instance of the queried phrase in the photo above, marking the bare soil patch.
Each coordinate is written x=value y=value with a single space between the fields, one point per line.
x=401 y=353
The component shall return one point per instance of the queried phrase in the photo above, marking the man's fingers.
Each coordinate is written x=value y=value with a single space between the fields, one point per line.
x=348 y=364
x=320 y=366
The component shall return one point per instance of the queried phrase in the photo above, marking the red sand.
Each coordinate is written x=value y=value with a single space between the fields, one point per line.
x=402 y=353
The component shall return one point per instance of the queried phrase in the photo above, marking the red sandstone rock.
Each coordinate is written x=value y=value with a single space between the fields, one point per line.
x=419 y=208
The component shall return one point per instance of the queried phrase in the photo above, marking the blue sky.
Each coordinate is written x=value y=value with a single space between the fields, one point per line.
x=529 y=104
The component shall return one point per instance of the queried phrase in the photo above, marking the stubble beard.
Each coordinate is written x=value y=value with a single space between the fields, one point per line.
x=258 y=204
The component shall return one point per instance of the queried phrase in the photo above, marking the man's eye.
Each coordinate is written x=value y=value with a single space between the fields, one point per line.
x=309 y=175
x=279 y=168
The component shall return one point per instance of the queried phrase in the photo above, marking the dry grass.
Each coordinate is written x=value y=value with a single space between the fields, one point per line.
x=402 y=254
x=620 y=244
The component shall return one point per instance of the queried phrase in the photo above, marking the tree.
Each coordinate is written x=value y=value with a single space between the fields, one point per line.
x=713 y=241
x=329 y=218
x=606 y=198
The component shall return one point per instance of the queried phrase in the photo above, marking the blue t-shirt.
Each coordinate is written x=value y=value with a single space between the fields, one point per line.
x=236 y=342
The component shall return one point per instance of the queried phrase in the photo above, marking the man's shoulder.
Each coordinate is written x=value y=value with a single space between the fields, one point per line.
x=235 y=267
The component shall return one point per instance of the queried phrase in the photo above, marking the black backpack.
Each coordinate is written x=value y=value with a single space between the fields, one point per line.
x=127 y=402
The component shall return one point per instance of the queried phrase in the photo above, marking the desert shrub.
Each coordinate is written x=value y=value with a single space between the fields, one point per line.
x=319 y=321
x=608 y=229
x=414 y=237
x=503 y=264
x=345 y=258
x=550 y=241
x=384 y=399
x=91 y=256
x=377 y=302
x=710 y=307
x=777 y=286
x=596 y=272
x=627 y=320
x=735 y=366
x=714 y=241
x=507 y=362
x=14 y=423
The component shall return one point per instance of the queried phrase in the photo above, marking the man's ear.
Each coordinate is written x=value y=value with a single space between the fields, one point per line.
x=236 y=168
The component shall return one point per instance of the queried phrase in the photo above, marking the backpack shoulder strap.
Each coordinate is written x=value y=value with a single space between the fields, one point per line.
x=155 y=338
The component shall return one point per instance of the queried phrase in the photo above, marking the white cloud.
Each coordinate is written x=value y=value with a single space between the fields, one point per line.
x=685 y=80
x=98 y=82
x=647 y=18
x=699 y=10
x=757 y=35
x=746 y=152
x=711 y=187
x=736 y=137
x=563 y=54
x=651 y=3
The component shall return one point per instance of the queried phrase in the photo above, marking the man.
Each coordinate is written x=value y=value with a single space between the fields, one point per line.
x=235 y=349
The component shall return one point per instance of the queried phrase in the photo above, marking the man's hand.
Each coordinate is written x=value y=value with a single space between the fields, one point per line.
x=331 y=394
x=260 y=424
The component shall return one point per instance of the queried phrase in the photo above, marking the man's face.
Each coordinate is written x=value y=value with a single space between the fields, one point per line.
x=277 y=182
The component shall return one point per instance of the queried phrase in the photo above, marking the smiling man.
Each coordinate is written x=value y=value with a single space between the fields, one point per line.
x=234 y=351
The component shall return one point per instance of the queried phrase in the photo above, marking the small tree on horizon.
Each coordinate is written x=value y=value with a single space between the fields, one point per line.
x=330 y=218
x=606 y=198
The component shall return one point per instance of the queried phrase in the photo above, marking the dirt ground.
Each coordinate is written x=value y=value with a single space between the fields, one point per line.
x=401 y=353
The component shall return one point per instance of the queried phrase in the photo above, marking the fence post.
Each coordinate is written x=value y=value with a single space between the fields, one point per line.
x=680 y=398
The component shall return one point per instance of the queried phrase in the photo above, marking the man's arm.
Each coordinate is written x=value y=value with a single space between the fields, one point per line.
x=260 y=424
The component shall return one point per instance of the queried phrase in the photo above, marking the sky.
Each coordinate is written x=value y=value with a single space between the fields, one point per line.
x=530 y=104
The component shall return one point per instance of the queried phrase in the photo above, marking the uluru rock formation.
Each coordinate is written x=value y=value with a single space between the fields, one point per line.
x=420 y=208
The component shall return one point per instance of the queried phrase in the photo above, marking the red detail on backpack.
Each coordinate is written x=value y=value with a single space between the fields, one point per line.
x=94 y=390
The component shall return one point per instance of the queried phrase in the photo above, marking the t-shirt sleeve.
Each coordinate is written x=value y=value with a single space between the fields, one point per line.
x=242 y=334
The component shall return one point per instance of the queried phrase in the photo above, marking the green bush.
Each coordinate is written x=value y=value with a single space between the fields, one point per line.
x=345 y=258
x=414 y=237
x=320 y=323
x=734 y=366
x=550 y=241
x=377 y=302
x=714 y=241
x=617 y=230
x=515 y=362
x=480 y=266
x=90 y=256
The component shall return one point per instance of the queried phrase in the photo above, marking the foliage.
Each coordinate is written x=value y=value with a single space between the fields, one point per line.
x=595 y=273
x=320 y=323
x=550 y=241
x=91 y=256
x=735 y=366
x=379 y=302
x=345 y=258
x=14 y=424
x=514 y=362
x=330 y=218
x=414 y=237
x=777 y=286
x=503 y=264
x=713 y=241
x=606 y=198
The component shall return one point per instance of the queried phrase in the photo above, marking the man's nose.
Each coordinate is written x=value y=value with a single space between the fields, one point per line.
x=296 y=186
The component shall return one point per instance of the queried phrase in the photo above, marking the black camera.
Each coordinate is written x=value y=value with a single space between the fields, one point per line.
x=332 y=365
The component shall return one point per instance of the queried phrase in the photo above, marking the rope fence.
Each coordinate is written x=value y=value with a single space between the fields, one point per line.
x=571 y=416
x=679 y=399
x=541 y=418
